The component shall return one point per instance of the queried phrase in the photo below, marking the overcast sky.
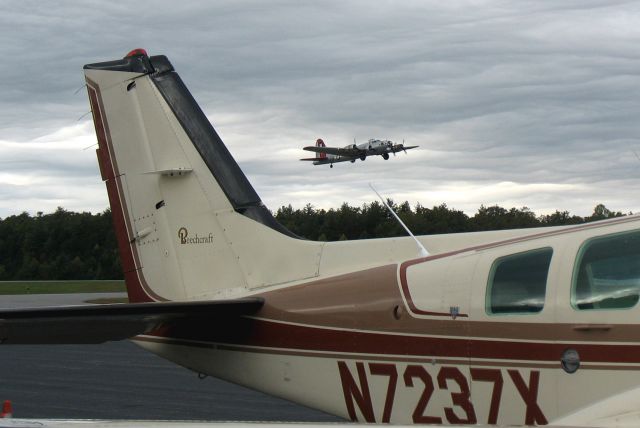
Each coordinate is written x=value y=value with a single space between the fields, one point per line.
x=517 y=103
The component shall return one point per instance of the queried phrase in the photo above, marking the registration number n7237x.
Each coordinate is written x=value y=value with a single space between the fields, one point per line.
x=422 y=384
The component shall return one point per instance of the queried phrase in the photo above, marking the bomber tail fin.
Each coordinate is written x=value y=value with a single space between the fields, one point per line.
x=320 y=143
x=189 y=224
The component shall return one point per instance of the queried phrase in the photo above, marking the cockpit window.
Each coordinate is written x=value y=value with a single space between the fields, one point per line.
x=607 y=273
x=518 y=282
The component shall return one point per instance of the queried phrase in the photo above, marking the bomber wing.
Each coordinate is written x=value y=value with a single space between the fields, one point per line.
x=337 y=151
x=401 y=148
x=102 y=323
x=324 y=161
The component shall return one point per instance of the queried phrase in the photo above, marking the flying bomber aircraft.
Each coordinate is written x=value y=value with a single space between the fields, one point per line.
x=511 y=327
x=352 y=152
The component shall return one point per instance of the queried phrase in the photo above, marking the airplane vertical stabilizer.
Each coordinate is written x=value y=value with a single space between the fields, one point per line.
x=189 y=224
x=320 y=143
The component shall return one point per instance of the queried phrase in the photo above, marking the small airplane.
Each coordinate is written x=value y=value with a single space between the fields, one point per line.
x=510 y=327
x=352 y=152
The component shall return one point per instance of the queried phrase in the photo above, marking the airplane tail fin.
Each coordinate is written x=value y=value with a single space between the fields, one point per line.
x=320 y=143
x=189 y=224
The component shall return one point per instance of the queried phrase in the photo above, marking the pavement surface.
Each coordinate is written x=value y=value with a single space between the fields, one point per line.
x=119 y=380
x=63 y=299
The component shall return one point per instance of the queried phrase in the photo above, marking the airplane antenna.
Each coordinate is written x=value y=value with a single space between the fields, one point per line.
x=79 y=89
x=84 y=115
x=423 y=251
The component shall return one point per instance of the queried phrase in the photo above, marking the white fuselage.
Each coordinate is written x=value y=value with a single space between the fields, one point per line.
x=370 y=148
x=414 y=341
x=375 y=147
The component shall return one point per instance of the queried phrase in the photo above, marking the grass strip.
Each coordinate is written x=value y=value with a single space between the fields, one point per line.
x=60 y=287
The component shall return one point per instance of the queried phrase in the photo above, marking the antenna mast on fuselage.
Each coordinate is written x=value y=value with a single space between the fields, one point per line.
x=423 y=251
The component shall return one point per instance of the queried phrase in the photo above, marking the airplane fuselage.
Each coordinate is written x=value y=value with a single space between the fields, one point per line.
x=430 y=340
x=370 y=148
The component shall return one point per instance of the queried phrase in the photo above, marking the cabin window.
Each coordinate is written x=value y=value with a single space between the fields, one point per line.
x=518 y=282
x=607 y=273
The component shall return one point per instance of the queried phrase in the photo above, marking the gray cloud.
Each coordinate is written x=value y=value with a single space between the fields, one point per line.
x=514 y=103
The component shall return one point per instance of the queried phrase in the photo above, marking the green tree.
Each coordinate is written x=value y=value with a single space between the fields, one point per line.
x=600 y=212
x=559 y=218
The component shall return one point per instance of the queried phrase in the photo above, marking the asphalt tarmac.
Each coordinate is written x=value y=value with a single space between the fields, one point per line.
x=119 y=380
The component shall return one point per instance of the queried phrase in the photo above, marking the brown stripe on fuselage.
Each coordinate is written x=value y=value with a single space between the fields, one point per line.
x=365 y=300
x=270 y=335
x=368 y=357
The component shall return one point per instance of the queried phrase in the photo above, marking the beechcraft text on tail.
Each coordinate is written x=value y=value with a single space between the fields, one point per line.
x=352 y=152
x=511 y=327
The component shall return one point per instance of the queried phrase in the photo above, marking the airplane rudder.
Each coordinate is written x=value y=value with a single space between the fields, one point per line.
x=320 y=143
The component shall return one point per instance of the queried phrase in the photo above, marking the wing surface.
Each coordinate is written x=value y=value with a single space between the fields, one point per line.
x=102 y=323
x=337 y=151
x=400 y=147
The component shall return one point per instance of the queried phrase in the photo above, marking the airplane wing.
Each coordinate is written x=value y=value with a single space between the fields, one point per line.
x=337 y=151
x=102 y=323
x=401 y=147
x=323 y=161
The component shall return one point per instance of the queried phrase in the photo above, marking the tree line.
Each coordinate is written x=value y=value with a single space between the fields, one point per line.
x=374 y=220
x=66 y=245
x=63 y=245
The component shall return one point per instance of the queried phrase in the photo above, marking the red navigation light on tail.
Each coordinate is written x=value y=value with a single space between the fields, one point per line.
x=136 y=52
x=7 y=410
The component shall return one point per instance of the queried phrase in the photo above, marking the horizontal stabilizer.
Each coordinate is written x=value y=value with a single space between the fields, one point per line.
x=103 y=323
